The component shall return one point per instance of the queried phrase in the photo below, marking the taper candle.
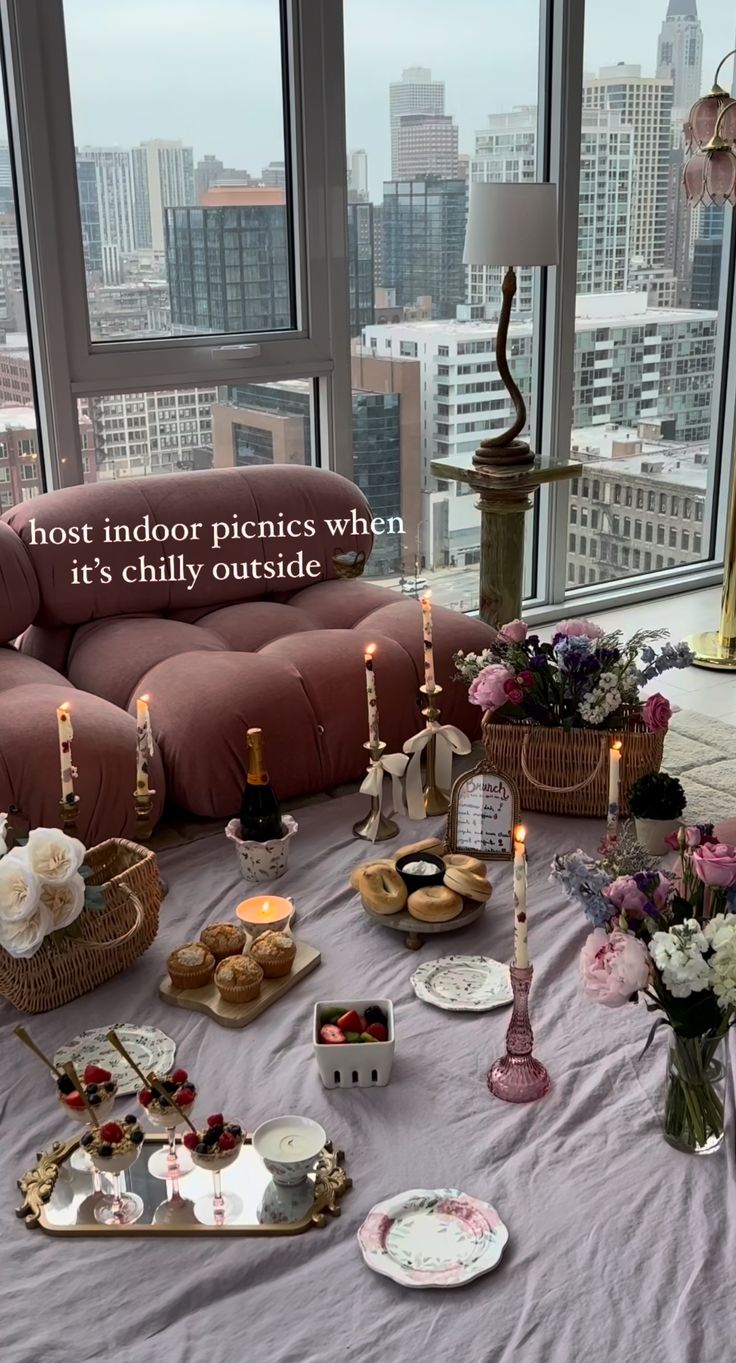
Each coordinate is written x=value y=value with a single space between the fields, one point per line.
x=68 y=771
x=370 y=686
x=429 y=681
x=521 y=950
x=144 y=745
x=614 y=783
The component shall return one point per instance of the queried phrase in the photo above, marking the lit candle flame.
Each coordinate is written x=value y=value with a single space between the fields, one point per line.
x=427 y=597
x=370 y=650
x=617 y=745
x=146 y=698
x=266 y=908
x=519 y=833
x=65 y=707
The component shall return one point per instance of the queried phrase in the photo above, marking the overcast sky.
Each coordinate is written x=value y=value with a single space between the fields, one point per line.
x=207 y=71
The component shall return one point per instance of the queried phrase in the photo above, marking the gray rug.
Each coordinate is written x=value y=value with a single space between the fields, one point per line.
x=702 y=752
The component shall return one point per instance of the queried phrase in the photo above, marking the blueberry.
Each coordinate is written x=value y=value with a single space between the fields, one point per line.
x=234 y=1129
x=87 y=1138
x=93 y=1099
x=92 y=1088
x=110 y=1086
x=202 y=1149
x=212 y=1135
x=104 y=1150
x=130 y=1120
x=136 y=1136
x=375 y=1014
x=65 y=1085
x=169 y=1086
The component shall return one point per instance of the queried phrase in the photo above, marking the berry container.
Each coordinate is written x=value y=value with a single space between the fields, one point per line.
x=355 y=1064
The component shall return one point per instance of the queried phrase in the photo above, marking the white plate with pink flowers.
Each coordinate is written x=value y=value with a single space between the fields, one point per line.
x=432 y=1237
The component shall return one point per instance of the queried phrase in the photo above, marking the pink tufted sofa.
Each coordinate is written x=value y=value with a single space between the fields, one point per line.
x=214 y=656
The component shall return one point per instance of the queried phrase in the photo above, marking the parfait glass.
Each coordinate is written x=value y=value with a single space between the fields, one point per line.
x=220 y=1207
x=80 y=1160
x=173 y=1162
x=121 y=1207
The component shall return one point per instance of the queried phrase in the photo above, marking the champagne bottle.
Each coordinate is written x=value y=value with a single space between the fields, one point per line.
x=260 y=816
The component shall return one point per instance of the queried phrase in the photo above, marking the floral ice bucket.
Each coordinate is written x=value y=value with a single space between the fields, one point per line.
x=262 y=861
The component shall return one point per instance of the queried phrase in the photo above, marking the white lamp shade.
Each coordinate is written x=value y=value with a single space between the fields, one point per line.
x=511 y=224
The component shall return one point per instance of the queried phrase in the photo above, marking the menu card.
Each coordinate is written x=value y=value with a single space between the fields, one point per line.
x=483 y=814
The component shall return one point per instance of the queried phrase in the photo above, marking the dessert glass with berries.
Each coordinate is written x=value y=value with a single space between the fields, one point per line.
x=174 y=1161
x=100 y=1091
x=114 y=1148
x=215 y=1147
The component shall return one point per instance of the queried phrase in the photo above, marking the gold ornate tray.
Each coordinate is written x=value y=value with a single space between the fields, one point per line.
x=60 y=1197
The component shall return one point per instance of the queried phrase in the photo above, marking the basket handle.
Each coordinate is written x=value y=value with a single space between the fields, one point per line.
x=124 y=936
x=561 y=790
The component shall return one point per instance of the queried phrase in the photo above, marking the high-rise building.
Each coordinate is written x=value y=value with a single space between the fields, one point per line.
x=163 y=177
x=360 y=266
x=211 y=171
x=680 y=57
x=228 y=263
x=136 y=434
x=274 y=175
x=706 y=277
x=7 y=197
x=89 y=210
x=423 y=241
x=426 y=144
x=115 y=201
x=415 y=93
x=357 y=169
x=645 y=104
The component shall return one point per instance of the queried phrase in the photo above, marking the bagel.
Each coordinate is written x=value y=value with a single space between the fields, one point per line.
x=435 y=845
x=468 y=883
x=436 y=904
x=464 y=863
x=380 y=887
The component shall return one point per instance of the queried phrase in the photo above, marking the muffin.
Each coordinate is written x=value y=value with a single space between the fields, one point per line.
x=238 y=979
x=223 y=939
x=191 y=966
x=274 y=952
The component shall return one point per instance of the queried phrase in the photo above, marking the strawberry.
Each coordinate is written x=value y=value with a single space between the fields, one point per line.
x=377 y=1031
x=185 y=1096
x=94 y=1074
x=144 y=1097
x=75 y=1100
x=111 y=1133
x=331 y=1035
x=350 y=1021
x=216 y=1119
x=190 y=1139
x=226 y=1141
x=180 y=1076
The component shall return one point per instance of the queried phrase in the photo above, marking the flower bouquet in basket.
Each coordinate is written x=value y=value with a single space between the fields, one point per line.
x=669 y=936
x=552 y=709
x=42 y=888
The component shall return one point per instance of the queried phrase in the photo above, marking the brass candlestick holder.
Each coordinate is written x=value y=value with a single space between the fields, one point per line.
x=436 y=801
x=517 y=1077
x=69 y=810
x=375 y=827
x=143 y=801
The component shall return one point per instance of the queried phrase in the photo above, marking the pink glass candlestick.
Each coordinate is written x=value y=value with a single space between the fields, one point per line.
x=517 y=1077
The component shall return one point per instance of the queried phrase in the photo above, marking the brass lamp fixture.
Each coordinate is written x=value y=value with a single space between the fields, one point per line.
x=510 y=225
x=710 y=178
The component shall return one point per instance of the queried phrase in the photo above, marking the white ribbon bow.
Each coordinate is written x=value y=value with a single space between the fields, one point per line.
x=449 y=741
x=393 y=765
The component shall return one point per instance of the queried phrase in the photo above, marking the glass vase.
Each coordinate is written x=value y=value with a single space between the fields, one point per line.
x=693 y=1110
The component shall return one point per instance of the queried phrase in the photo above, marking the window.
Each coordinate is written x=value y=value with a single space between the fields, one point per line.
x=639 y=499
x=685 y=539
x=627 y=527
x=672 y=537
x=573 y=515
x=660 y=534
x=648 y=532
x=571 y=544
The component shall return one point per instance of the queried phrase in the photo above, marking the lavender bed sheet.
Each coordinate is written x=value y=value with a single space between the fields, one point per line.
x=620 y=1249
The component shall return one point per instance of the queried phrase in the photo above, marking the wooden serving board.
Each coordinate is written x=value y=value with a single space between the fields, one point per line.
x=208 y=1000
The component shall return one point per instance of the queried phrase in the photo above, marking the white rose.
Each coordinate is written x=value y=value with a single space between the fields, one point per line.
x=53 y=855
x=23 y=936
x=19 y=888
x=63 y=903
x=3 y=831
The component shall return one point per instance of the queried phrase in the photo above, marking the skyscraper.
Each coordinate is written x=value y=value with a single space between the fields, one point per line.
x=415 y=93
x=163 y=177
x=426 y=144
x=358 y=173
x=89 y=210
x=423 y=240
x=360 y=266
x=7 y=200
x=115 y=201
x=680 y=57
x=645 y=104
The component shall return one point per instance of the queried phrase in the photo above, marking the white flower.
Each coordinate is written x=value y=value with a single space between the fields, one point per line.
x=3 y=831
x=723 y=965
x=678 y=954
x=23 y=937
x=63 y=903
x=720 y=929
x=19 y=888
x=53 y=855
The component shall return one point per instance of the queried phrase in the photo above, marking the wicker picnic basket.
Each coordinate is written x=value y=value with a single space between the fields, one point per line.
x=565 y=771
x=111 y=938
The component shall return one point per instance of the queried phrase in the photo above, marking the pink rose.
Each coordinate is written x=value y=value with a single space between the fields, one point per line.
x=656 y=712
x=513 y=691
x=515 y=631
x=636 y=895
x=613 y=965
x=525 y=678
x=573 y=629
x=715 y=864
x=487 y=688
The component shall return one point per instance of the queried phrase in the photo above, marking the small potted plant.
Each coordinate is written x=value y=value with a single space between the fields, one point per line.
x=656 y=802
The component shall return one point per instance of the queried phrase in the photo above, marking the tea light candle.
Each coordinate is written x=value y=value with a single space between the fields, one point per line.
x=521 y=950
x=265 y=913
x=429 y=680
x=370 y=687
x=614 y=783
x=144 y=745
x=68 y=771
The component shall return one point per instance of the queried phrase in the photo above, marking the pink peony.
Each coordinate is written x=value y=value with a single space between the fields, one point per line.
x=613 y=966
x=573 y=629
x=487 y=689
x=515 y=631
x=634 y=895
x=715 y=864
x=656 y=712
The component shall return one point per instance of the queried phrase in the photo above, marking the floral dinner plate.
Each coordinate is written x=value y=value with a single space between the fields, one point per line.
x=436 y=1237
x=151 y=1048
x=463 y=983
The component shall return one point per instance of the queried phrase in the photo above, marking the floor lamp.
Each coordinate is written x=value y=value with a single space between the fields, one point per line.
x=710 y=178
